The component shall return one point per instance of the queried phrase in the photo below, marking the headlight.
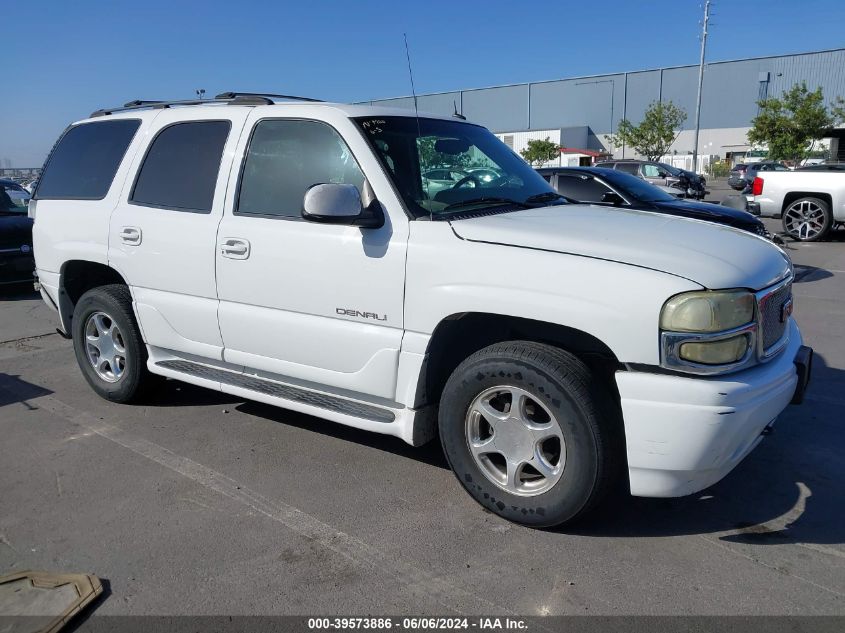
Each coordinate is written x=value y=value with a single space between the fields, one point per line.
x=708 y=311
x=722 y=352
x=708 y=332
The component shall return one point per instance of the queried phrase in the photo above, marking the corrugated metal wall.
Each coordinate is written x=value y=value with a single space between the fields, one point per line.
x=729 y=100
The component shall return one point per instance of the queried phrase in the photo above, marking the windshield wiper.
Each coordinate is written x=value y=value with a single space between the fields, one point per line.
x=547 y=196
x=486 y=199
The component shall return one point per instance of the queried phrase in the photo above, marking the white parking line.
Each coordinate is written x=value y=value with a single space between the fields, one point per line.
x=421 y=583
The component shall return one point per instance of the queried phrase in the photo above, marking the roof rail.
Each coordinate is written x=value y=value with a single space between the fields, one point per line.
x=233 y=95
x=139 y=104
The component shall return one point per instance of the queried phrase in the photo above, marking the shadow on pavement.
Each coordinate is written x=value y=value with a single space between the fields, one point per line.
x=808 y=274
x=430 y=454
x=13 y=390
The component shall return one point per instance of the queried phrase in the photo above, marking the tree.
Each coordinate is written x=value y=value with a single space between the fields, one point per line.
x=790 y=125
x=539 y=152
x=430 y=157
x=654 y=136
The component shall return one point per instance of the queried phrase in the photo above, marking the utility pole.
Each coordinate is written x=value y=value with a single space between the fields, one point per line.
x=700 y=82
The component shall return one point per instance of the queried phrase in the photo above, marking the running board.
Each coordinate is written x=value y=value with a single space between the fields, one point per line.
x=278 y=390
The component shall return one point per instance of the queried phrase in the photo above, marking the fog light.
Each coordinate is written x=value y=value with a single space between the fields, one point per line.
x=716 y=352
x=690 y=191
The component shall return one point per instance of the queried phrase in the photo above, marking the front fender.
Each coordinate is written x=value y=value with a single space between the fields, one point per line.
x=618 y=304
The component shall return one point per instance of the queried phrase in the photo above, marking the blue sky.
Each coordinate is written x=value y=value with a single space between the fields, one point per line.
x=63 y=59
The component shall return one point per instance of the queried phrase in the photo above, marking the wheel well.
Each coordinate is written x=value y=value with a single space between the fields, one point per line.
x=461 y=335
x=792 y=196
x=77 y=278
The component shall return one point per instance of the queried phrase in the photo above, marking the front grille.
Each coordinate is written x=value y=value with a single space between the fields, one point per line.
x=772 y=317
x=761 y=230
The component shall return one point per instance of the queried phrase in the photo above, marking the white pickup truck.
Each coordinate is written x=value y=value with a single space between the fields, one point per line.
x=292 y=253
x=810 y=203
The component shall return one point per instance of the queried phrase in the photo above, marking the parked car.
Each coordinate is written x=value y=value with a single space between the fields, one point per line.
x=764 y=166
x=550 y=346
x=611 y=187
x=809 y=203
x=691 y=185
x=736 y=177
x=19 y=195
x=17 y=264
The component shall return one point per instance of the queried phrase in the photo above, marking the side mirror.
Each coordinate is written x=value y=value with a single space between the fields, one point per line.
x=332 y=203
x=611 y=197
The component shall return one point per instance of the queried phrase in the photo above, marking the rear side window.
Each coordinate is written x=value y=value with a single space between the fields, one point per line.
x=180 y=169
x=83 y=163
x=628 y=168
x=284 y=159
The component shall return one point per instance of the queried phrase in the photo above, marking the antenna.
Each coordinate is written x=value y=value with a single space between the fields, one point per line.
x=417 y=115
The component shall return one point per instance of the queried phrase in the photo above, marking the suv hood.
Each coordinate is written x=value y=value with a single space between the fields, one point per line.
x=711 y=255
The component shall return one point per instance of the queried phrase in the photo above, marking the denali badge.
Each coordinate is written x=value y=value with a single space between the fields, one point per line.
x=786 y=310
x=360 y=315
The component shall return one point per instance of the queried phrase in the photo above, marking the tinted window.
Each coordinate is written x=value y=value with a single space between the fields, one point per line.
x=85 y=160
x=181 y=166
x=581 y=188
x=628 y=168
x=285 y=158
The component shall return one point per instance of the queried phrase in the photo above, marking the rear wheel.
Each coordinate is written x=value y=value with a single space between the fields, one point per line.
x=807 y=219
x=108 y=344
x=528 y=432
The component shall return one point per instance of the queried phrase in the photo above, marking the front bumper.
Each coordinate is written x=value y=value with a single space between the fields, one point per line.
x=684 y=434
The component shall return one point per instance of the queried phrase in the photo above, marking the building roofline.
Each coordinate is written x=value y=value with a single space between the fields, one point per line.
x=614 y=74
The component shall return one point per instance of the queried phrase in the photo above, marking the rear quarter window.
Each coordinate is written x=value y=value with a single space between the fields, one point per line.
x=83 y=163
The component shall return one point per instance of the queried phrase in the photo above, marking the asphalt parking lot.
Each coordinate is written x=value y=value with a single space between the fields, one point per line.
x=200 y=503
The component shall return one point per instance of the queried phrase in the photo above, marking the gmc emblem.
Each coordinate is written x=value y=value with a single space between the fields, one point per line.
x=786 y=310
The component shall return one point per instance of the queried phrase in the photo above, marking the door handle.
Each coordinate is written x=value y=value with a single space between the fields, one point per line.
x=234 y=248
x=130 y=235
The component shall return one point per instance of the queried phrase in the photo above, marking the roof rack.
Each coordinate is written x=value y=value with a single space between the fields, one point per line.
x=234 y=95
x=139 y=104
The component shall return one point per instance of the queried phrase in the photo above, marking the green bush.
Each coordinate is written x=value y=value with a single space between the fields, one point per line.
x=718 y=169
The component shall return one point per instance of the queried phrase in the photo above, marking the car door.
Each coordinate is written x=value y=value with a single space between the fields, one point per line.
x=162 y=232
x=305 y=302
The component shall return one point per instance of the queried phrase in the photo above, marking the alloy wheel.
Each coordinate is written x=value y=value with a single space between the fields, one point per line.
x=804 y=220
x=105 y=347
x=515 y=441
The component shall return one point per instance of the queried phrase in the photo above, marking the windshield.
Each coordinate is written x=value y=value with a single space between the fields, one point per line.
x=672 y=170
x=635 y=187
x=445 y=167
x=13 y=199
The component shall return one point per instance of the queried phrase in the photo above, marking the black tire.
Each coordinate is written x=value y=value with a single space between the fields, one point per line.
x=115 y=301
x=827 y=220
x=582 y=408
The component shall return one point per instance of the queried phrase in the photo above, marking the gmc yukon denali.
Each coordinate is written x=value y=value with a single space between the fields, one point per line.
x=292 y=252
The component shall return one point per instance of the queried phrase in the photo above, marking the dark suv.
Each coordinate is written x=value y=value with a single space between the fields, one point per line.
x=743 y=175
x=690 y=184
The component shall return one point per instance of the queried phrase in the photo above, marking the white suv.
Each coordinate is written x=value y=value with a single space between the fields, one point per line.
x=290 y=253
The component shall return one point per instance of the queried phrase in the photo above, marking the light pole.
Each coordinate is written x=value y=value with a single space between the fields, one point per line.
x=700 y=82
x=200 y=93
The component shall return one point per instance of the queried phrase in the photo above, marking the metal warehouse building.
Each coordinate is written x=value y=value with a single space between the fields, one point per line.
x=579 y=113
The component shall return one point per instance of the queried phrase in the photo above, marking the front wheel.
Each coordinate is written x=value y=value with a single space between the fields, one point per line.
x=530 y=433
x=807 y=220
x=108 y=344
